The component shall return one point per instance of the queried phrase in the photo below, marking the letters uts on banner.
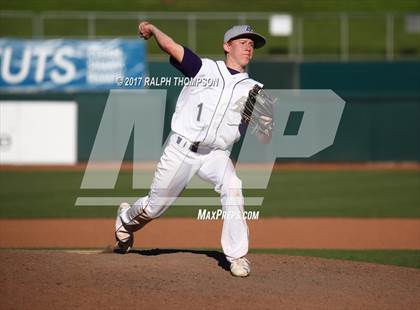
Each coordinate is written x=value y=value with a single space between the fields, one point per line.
x=34 y=65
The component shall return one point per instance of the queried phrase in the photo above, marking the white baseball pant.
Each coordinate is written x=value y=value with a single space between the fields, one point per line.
x=174 y=171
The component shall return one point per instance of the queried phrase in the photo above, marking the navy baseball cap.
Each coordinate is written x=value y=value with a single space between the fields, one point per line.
x=244 y=31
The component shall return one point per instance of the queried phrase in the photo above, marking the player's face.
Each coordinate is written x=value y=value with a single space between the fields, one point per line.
x=241 y=51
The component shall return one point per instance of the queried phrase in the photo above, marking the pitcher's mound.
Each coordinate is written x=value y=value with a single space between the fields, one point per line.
x=184 y=279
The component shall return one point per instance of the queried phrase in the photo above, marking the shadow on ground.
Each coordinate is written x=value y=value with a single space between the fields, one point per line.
x=216 y=255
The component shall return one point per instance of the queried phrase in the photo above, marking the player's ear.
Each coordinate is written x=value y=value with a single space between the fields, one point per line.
x=226 y=47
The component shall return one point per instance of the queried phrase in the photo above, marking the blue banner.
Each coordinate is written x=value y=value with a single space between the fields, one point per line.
x=34 y=65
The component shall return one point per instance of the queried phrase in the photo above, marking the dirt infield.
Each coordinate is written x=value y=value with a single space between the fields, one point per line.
x=196 y=279
x=173 y=279
x=304 y=233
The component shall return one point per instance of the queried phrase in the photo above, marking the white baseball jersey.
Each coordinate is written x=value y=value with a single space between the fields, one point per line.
x=211 y=114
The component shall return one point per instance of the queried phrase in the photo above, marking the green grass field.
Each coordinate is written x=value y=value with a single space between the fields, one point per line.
x=382 y=193
x=404 y=258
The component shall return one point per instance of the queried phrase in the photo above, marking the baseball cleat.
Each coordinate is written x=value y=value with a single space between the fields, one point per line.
x=240 y=267
x=123 y=247
x=124 y=238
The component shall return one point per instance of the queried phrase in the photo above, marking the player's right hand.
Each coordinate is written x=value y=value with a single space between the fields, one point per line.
x=145 y=30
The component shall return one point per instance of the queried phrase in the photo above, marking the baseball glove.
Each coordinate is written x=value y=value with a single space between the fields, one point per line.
x=258 y=111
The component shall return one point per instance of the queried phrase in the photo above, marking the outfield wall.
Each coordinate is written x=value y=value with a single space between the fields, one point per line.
x=381 y=120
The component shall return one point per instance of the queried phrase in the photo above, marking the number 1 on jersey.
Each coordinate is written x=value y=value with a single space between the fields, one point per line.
x=200 y=109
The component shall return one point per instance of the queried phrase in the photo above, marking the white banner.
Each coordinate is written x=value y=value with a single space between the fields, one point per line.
x=38 y=132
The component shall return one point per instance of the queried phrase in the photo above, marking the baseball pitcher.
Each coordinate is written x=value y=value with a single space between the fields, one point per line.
x=209 y=118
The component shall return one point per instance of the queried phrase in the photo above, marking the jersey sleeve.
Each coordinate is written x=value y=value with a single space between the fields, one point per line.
x=190 y=64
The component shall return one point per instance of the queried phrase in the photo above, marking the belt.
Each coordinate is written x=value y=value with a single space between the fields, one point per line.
x=192 y=146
